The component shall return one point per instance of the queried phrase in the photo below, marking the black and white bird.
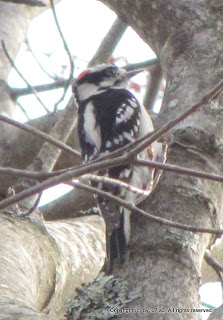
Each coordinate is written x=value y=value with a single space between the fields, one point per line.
x=110 y=117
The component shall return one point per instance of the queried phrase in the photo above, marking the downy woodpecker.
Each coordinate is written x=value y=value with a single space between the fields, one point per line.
x=110 y=117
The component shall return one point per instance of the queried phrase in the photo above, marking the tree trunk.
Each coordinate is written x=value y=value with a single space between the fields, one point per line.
x=166 y=262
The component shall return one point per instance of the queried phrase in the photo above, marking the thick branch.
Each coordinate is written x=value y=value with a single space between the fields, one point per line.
x=109 y=43
x=17 y=92
x=41 y=134
x=153 y=87
x=42 y=278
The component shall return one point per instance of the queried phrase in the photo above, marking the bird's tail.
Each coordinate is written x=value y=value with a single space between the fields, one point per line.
x=117 y=242
x=116 y=246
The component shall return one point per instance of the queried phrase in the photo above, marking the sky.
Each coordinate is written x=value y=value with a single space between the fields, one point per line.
x=83 y=32
x=84 y=24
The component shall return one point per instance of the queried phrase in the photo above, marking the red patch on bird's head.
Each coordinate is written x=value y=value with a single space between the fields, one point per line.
x=82 y=74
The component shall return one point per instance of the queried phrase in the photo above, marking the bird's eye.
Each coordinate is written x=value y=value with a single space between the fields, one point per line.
x=111 y=71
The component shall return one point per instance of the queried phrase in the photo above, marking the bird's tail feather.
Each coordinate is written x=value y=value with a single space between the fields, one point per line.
x=116 y=246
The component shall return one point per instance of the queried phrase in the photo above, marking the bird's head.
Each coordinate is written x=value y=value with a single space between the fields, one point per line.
x=101 y=77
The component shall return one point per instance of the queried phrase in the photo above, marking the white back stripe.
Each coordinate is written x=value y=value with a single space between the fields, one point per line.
x=93 y=132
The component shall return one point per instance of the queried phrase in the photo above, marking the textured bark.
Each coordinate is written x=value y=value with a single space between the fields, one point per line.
x=49 y=260
x=20 y=157
x=18 y=17
x=40 y=263
x=166 y=262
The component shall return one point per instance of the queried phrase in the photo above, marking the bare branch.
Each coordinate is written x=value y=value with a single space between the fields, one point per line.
x=23 y=110
x=48 y=154
x=69 y=126
x=67 y=51
x=34 y=3
x=40 y=134
x=217 y=267
x=39 y=176
x=21 y=75
x=102 y=162
x=60 y=83
x=115 y=182
x=109 y=42
x=142 y=65
x=212 y=262
x=153 y=86
x=137 y=146
x=149 y=139
x=36 y=202
x=69 y=175
x=54 y=77
x=151 y=217
x=92 y=166
x=177 y=169
x=86 y=169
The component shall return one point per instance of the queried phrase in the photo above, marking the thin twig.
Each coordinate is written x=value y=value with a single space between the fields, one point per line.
x=212 y=262
x=91 y=166
x=116 y=183
x=41 y=134
x=39 y=176
x=21 y=75
x=69 y=175
x=217 y=267
x=78 y=171
x=67 y=51
x=32 y=208
x=23 y=110
x=151 y=217
x=54 y=77
x=48 y=155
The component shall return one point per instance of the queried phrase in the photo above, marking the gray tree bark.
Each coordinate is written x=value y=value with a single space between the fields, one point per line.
x=41 y=262
x=166 y=262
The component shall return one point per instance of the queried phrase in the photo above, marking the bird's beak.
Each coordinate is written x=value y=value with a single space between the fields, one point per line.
x=130 y=74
